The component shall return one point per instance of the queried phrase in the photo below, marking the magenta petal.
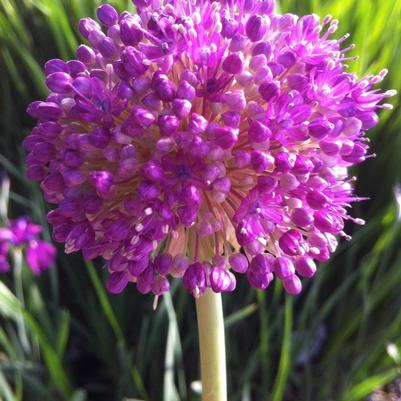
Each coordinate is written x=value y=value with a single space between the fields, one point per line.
x=5 y=234
x=116 y=282
x=4 y=265
x=40 y=256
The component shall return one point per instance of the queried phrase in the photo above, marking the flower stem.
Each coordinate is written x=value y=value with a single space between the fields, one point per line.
x=209 y=311
x=19 y=291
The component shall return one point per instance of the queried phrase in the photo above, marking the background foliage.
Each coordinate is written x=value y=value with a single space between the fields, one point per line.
x=66 y=339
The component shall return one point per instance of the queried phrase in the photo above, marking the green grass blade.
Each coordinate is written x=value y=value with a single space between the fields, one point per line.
x=239 y=315
x=11 y=307
x=104 y=301
x=363 y=389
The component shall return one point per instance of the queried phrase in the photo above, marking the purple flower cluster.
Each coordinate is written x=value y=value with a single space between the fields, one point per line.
x=21 y=233
x=199 y=139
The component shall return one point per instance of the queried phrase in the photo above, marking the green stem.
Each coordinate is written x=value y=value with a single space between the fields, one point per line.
x=19 y=291
x=209 y=310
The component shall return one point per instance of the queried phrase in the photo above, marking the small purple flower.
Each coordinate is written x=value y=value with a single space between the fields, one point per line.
x=197 y=141
x=239 y=263
x=283 y=267
x=195 y=279
x=116 y=282
x=221 y=280
x=40 y=255
x=4 y=265
x=21 y=233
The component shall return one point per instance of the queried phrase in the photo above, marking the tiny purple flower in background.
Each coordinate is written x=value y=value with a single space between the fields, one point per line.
x=197 y=139
x=21 y=233
x=4 y=265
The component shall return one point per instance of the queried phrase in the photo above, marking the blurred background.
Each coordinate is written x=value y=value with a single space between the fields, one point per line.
x=339 y=340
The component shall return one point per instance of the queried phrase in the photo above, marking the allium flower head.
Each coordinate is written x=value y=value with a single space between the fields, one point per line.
x=200 y=139
x=21 y=233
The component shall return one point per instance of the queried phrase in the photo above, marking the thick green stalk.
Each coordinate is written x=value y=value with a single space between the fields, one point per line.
x=209 y=310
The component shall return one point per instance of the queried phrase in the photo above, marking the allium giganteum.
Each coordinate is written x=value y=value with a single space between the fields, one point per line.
x=196 y=139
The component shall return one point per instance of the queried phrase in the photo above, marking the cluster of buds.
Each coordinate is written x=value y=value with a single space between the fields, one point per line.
x=199 y=139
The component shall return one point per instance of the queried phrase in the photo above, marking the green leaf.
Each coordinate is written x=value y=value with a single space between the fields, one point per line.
x=362 y=390
x=11 y=307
